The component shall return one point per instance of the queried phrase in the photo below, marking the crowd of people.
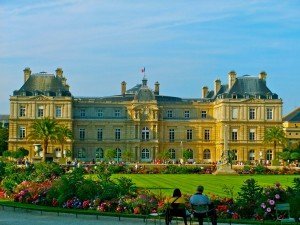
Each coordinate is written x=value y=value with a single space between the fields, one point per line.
x=200 y=205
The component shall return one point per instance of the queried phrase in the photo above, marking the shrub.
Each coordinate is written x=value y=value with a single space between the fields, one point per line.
x=44 y=170
x=249 y=198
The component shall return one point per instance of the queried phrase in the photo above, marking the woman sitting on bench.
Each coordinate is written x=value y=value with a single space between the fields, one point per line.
x=176 y=208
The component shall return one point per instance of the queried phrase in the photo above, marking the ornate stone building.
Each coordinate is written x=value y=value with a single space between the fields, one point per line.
x=291 y=126
x=143 y=121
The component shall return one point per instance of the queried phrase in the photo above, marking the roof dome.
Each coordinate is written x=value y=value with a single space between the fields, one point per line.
x=145 y=94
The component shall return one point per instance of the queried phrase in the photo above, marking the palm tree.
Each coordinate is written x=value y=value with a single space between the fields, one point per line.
x=64 y=134
x=276 y=136
x=44 y=130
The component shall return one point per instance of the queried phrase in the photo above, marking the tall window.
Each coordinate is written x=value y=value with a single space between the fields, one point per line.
x=82 y=112
x=206 y=135
x=206 y=154
x=269 y=155
x=58 y=112
x=234 y=113
x=22 y=112
x=145 y=134
x=234 y=134
x=99 y=153
x=81 y=134
x=189 y=135
x=117 y=133
x=169 y=114
x=117 y=113
x=145 y=154
x=251 y=134
x=186 y=114
x=81 y=153
x=171 y=135
x=203 y=114
x=172 y=153
x=40 y=111
x=118 y=155
x=251 y=155
x=100 y=134
x=22 y=132
x=100 y=113
x=251 y=114
x=269 y=114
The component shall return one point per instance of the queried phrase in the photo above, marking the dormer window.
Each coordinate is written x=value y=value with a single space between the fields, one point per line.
x=234 y=96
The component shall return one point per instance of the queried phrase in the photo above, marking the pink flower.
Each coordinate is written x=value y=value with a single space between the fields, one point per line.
x=277 y=196
x=271 y=202
x=268 y=209
x=263 y=205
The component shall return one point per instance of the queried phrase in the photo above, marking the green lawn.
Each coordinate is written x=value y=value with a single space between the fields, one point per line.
x=212 y=184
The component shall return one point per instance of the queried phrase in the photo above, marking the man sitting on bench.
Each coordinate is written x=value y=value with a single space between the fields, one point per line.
x=203 y=207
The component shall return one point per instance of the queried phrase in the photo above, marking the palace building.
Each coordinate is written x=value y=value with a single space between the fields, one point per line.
x=146 y=123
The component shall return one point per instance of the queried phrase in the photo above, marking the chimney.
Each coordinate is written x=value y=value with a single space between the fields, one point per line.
x=27 y=73
x=217 y=86
x=204 y=91
x=156 y=88
x=123 y=88
x=59 y=72
x=262 y=76
x=231 y=78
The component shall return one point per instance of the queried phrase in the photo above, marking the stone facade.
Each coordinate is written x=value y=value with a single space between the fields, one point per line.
x=146 y=123
x=291 y=126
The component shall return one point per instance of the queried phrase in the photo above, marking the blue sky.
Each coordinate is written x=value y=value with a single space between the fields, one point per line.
x=184 y=45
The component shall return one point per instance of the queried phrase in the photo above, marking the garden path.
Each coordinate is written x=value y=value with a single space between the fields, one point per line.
x=10 y=217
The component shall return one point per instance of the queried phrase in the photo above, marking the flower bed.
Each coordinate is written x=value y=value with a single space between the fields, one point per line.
x=72 y=191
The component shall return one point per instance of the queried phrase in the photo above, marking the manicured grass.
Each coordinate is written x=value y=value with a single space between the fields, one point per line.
x=212 y=184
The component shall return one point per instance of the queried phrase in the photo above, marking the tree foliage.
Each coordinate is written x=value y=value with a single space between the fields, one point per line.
x=45 y=131
x=276 y=136
x=3 y=139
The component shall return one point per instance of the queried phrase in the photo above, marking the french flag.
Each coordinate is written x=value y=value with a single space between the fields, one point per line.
x=143 y=70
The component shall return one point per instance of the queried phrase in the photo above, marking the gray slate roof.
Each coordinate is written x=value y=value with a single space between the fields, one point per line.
x=249 y=85
x=294 y=116
x=43 y=83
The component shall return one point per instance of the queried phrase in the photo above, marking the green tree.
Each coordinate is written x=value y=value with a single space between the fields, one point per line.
x=275 y=135
x=3 y=139
x=45 y=131
x=187 y=155
x=127 y=156
x=63 y=135
x=110 y=154
x=164 y=155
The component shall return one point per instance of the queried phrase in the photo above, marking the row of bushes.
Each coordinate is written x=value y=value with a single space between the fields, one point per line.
x=49 y=184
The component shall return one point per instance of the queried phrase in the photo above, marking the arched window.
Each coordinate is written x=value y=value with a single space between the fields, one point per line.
x=190 y=153
x=118 y=155
x=99 y=154
x=269 y=154
x=234 y=155
x=251 y=155
x=145 y=134
x=172 y=153
x=81 y=153
x=206 y=154
x=145 y=154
